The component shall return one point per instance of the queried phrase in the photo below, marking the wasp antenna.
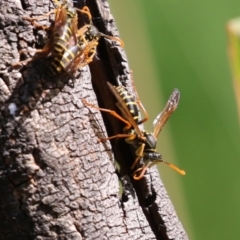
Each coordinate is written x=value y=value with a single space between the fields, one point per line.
x=113 y=38
x=182 y=172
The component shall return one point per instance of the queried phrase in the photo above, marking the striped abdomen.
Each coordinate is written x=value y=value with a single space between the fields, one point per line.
x=130 y=103
x=61 y=63
x=61 y=41
x=72 y=56
x=62 y=37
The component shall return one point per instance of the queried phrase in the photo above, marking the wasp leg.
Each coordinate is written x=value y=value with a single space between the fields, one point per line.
x=128 y=137
x=92 y=51
x=115 y=136
x=44 y=50
x=139 y=154
x=81 y=65
x=21 y=62
x=128 y=125
x=36 y=24
x=87 y=58
x=32 y=20
x=143 y=170
x=34 y=50
x=24 y=61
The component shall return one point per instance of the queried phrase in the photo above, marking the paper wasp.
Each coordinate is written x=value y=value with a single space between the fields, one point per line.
x=62 y=30
x=143 y=143
x=81 y=53
x=83 y=50
x=68 y=47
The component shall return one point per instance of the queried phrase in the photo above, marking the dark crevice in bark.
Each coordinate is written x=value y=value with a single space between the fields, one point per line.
x=24 y=5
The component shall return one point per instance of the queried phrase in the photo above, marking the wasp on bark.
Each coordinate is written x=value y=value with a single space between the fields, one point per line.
x=143 y=143
x=81 y=54
x=63 y=30
x=68 y=47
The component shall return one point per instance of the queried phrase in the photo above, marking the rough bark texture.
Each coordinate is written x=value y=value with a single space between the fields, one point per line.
x=56 y=180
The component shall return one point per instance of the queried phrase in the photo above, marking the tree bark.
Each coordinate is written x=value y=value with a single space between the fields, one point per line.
x=57 y=181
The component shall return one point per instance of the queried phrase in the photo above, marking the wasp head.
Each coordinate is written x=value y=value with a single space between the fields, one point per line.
x=92 y=33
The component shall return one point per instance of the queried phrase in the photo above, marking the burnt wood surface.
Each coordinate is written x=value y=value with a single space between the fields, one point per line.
x=56 y=180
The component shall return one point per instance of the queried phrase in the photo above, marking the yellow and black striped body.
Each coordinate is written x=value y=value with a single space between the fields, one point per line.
x=62 y=31
x=62 y=36
x=78 y=54
x=135 y=140
x=143 y=143
x=62 y=39
x=74 y=48
x=130 y=103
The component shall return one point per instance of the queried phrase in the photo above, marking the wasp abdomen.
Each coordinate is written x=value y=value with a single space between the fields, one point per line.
x=130 y=103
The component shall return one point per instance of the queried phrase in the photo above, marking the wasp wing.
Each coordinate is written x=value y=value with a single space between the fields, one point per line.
x=65 y=24
x=124 y=109
x=163 y=116
x=82 y=55
x=56 y=29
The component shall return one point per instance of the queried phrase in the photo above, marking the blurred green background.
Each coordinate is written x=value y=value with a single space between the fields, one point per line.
x=183 y=44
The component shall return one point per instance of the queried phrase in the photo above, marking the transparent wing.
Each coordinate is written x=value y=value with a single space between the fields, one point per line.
x=124 y=109
x=60 y=20
x=74 y=29
x=81 y=57
x=163 y=116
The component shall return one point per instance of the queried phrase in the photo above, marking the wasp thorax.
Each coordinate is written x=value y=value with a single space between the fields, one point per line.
x=151 y=142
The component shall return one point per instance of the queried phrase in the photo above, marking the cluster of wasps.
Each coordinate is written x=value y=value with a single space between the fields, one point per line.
x=68 y=47
x=71 y=48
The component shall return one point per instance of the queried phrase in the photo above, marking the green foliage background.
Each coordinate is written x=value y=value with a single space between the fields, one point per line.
x=183 y=44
